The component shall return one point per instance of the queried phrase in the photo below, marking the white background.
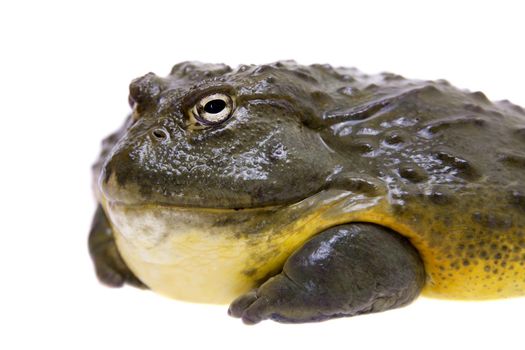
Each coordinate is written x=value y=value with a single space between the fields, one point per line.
x=64 y=71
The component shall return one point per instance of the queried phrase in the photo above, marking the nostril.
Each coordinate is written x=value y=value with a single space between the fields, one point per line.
x=160 y=134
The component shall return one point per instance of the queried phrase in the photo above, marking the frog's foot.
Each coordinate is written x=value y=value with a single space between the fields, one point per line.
x=346 y=270
x=109 y=266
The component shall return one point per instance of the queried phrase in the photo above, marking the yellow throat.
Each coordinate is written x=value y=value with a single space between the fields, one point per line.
x=215 y=255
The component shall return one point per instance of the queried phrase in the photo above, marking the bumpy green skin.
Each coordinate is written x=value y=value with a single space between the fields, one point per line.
x=346 y=270
x=297 y=130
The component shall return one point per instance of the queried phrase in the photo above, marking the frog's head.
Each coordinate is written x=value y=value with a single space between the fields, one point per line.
x=208 y=136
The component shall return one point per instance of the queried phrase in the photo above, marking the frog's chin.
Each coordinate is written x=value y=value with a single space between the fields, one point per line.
x=213 y=255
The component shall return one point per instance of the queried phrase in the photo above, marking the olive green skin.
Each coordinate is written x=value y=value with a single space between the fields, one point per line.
x=299 y=129
x=264 y=154
x=450 y=163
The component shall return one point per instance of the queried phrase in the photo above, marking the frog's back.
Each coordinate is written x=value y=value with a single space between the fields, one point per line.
x=453 y=168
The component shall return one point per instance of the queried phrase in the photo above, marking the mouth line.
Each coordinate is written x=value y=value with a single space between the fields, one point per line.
x=183 y=207
x=319 y=196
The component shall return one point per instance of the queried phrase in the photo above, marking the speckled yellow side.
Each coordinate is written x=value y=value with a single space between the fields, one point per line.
x=214 y=255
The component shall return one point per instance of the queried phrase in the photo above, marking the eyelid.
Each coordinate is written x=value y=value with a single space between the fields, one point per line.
x=193 y=96
x=216 y=96
x=196 y=121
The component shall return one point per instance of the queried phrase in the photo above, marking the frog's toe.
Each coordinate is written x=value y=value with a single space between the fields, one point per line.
x=250 y=308
x=110 y=276
x=113 y=275
x=239 y=305
x=278 y=299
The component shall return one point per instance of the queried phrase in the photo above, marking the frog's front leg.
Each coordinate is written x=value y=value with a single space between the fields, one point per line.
x=346 y=270
x=109 y=266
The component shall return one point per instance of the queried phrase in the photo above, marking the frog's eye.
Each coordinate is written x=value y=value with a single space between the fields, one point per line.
x=213 y=109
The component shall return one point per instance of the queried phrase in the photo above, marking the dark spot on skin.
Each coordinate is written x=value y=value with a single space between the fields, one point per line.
x=440 y=198
x=394 y=138
x=512 y=159
x=230 y=220
x=249 y=272
x=462 y=166
x=321 y=98
x=361 y=147
x=492 y=221
x=412 y=173
x=469 y=234
x=398 y=207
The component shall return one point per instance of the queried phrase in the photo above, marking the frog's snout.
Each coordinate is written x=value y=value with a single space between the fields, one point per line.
x=115 y=178
x=128 y=176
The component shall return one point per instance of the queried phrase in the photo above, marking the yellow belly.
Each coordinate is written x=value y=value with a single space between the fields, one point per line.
x=215 y=255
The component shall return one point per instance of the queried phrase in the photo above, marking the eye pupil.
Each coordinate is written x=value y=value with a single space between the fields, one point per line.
x=214 y=106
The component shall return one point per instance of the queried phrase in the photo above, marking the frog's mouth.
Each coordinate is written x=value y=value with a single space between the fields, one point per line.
x=131 y=194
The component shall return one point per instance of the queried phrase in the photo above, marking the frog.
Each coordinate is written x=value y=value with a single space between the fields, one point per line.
x=300 y=193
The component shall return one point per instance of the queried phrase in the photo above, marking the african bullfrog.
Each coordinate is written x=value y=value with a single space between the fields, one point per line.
x=302 y=193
